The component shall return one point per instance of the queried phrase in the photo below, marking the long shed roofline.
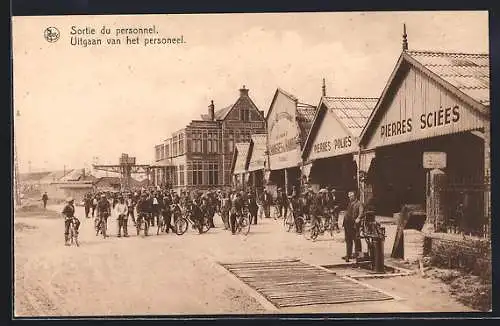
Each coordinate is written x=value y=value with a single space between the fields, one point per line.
x=405 y=57
x=322 y=107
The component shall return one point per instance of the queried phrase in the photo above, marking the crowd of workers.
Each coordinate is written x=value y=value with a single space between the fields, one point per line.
x=156 y=205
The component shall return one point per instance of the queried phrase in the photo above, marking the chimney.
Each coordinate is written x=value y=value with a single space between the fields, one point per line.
x=211 y=111
x=323 y=88
x=243 y=91
x=405 y=39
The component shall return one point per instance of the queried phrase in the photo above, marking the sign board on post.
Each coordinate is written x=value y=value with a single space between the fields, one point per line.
x=434 y=160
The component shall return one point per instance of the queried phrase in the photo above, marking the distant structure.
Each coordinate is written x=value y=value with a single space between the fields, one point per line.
x=125 y=167
x=199 y=155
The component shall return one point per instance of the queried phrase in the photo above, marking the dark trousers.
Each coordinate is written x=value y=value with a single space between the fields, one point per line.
x=44 y=204
x=225 y=217
x=253 y=214
x=267 y=210
x=283 y=210
x=93 y=210
x=232 y=222
x=122 y=225
x=67 y=223
x=211 y=214
x=87 y=210
x=131 y=213
x=352 y=237
x=167 y=217
x=155 y=215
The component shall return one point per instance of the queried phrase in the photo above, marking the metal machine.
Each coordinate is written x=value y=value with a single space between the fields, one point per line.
x=374 y=235
x=125 y=168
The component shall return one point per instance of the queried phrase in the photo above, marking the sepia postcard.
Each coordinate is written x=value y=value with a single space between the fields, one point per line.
x=251 y=164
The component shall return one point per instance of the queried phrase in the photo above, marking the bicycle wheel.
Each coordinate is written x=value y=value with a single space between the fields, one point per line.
x=245 y=224
x=74 y=236
x=181 y=225
x=146 y=227
x=314 y=232
x=306 y=231
x=299 y=221
x=103 y=229
x=201 y=225
x=289 y=223
x=97 y=226
x=138 y=226
x=159 y=226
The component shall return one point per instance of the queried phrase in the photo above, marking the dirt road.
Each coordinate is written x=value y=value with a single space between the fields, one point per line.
x=170 y=274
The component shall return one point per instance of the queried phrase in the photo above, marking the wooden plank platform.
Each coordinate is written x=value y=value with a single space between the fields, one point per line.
x=291 y=283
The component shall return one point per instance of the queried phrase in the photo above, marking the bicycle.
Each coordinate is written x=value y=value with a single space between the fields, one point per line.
x=143 y=223
x=319 y=227
x=243 y=222
x=293 y=221
x=101 y=226
x=182 y=223
x=73 y=233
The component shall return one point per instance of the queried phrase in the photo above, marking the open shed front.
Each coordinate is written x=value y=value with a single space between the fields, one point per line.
x=422 y=110
x=398 y=177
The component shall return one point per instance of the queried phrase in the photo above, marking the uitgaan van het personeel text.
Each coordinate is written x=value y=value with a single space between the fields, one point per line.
x=90 y=36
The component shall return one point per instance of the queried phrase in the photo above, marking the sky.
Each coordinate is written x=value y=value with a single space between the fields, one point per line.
x=77 y=103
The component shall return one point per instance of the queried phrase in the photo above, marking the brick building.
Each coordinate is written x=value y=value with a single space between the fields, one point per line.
x=199 y=155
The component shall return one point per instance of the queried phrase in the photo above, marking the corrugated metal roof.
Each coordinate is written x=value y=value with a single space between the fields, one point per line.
x=305 y=118
x=467 y=72
x=353 y=112
x=258 y=154
x=241 y=157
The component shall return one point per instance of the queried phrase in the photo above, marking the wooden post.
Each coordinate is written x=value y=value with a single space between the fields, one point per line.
x=436 y=201
x=487 y=181
x=286 y=181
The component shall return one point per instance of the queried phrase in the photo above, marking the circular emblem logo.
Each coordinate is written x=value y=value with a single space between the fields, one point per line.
x=51 y=34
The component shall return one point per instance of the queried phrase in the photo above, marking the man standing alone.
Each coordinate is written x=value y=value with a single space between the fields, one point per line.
x=351 y=224
x=45 y=198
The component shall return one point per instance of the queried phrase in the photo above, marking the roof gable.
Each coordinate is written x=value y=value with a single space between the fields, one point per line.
x=276 y=93
x=444 y=69
x=351 y=113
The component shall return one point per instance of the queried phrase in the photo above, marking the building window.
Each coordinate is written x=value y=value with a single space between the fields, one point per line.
x=196 y=142
x=175 y=143
x=167 y=150
x=229 y=142
x=213 y=174
x=157 y=153
x=181 y=144
x=245 y=114
x=205 y=140
x=174 y=176
x=197 y=173
x=212 y=143
x=181 y=175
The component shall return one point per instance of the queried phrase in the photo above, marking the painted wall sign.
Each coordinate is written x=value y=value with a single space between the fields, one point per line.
x=332 y=139
x=420 y=109
x=284 y=148
x=434 y=160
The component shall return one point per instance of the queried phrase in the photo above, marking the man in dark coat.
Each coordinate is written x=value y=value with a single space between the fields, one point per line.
x=351 y=224
x=252 y=207
x=87 y=202
x=69 y=214
x=45 y=198
x=267 y=201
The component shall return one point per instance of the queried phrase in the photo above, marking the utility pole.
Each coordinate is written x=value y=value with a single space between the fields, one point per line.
x=17 y=194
